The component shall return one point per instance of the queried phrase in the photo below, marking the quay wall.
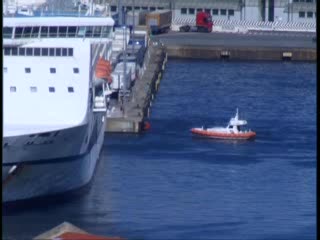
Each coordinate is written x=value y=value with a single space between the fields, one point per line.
x=241 y=53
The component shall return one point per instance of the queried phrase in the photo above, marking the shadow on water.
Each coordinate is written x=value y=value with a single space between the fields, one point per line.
x=42 y=203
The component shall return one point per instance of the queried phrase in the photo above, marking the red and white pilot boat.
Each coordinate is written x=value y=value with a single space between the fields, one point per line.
x=232 y=131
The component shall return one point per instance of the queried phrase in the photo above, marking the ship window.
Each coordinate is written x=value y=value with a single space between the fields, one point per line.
x=53 y=31
x=5 y=69
x=89 y=31
x=215 y=11
x=62 y=31
x=27 y=32
x=13 y=89
x=199 y=9
x=231 y=12
x=35 y=32
x=105 y=31
x=64 y=51
x=72 y=31
x=223 y=12
x=7 y=32
x=70 y=52
x=183 y=11
x=7 y=51
x=52 y=70
x=97 y=31
x=70 y=89
x=33 y=89
x=81 y=31
x=22 y=51
x=44 y=52
x=302 y=14
x=75 y=70
x=14 y=51
x=58 y=52
x=27 y=70
x=113 y=8
x=191 y=11
x=18 y=32
x=137 y=8
x=29 y=51
x=44 y=31
x=129 y=8
x=51 y=51
x=152 y=8
x=309 y=14
x=51 y=89
x=144 y=8
x=37 y=52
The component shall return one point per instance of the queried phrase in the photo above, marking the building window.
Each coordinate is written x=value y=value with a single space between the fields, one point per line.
x=302 y=14
x=152 y=8
x=199 y=9
x=137 y=8
x=128 y=8
x=7 y=51
x=310 y=14
x=22 y=51
x=58 y=52
x=75 y=70
x=70 y=52
x=52 y=70
x=160 y=8
x=191 y=11
x=113 y=8
x=27 y=70
x=64 y=51
x=215 y=11
x=144 y=8
x=51 y=89
x=223 y=12
x=70 y=89
x=13 y=89
x=7 y=32
x=231 y=12
x=37 y=52
x=207 y=10
x=183 y=11
x=14 y=51
x=33 y=89
x=29 y=51
x=44 y=52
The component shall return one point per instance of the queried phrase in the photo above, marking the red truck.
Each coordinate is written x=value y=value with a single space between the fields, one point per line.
x=203 y=24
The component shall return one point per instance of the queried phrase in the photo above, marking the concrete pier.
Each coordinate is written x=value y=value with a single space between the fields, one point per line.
x=131 y=118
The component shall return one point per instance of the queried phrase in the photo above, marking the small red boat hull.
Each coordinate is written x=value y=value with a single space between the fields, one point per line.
x=212 y=134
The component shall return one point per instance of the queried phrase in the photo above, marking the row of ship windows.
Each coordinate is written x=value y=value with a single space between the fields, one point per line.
x=56 y=52
x=52 y=70
x=34 y=89
x=215 y=11
x=61 y=32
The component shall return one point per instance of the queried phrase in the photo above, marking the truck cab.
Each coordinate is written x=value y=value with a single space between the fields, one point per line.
x=204 y=22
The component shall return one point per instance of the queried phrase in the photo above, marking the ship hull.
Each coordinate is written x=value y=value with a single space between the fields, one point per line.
x=51 y=176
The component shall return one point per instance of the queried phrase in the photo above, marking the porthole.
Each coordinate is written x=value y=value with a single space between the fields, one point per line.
x=70 y=89
x=13 y=89
x=52 y=89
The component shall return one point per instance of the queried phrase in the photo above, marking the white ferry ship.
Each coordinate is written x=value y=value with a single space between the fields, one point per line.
x=53 y=115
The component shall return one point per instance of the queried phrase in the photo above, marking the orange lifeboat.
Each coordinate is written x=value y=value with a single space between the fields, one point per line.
x=232 y=131
x=103 y=70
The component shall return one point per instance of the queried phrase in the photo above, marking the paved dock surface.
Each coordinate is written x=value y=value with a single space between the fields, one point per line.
x=251 y=39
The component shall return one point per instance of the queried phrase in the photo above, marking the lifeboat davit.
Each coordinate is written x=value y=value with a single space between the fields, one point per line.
x=232 y=131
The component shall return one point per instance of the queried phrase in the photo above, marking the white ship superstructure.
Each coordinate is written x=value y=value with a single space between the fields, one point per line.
x=53 y=129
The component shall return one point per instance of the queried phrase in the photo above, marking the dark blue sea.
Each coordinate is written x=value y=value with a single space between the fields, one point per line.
x=167 y=184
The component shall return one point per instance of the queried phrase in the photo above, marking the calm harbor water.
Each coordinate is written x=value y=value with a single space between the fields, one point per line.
x=166 y=184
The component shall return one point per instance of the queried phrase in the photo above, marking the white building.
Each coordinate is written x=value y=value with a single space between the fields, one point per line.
x=250 y=10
